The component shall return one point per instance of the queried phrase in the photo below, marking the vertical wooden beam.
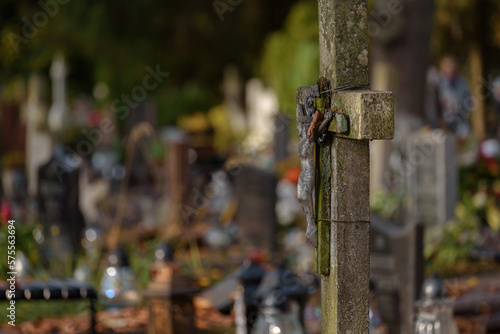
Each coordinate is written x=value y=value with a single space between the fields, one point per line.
x=344 y=59
x=343 y=41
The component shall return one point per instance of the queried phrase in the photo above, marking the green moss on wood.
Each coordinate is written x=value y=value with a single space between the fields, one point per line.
x=322 y=207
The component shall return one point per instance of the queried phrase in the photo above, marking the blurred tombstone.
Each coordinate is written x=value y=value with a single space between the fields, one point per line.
x=281 y=130
x=58 y=206
x=59 y=117
x=255 y=192
x=38 y=140
x=432 y=176
x=262 y=106
x=396 y=267
x=231 y=87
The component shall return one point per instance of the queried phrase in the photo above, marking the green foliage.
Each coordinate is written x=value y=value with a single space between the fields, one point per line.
x=226 y=138
x=452 y=245
x=113 y=41
x=35 y=310
x=24 y=242
x=480 y=185
x=176 y=102
x=291 y=56
x=156 y=150
x=141 y=258
x=460 y=23
x=385 y=203
x=448 y=249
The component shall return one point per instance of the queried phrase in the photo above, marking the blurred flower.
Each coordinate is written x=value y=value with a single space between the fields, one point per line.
x=479 y=199
x=5 y=212
x=93 y=118
x=489 y=151
x=292 y=174
x=490 y=148
x=493 y=216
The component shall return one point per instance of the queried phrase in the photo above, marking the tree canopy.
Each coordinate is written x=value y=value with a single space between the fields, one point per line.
x=113 y=42
x=291 y=55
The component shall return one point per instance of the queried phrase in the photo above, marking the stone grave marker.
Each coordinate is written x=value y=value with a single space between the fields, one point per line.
x=396 y=267
x=255 y=191
x=58 y=205
x=59 y=116
x=38 y=140
x=432 y=180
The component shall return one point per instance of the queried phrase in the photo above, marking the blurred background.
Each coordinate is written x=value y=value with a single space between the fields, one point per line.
x=148 y=158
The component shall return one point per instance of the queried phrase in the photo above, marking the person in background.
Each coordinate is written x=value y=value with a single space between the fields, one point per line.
x=454 y=98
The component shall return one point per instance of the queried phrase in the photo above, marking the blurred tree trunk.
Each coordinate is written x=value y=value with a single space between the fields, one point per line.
x=477 y=90
x=400 y=32
x=478 y=15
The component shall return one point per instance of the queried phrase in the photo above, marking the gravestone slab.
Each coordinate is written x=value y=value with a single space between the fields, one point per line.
x=58 y=205
x=59 y=116
x=432 y=180
x=396 y=267
x=38 y=141
x=255 y=191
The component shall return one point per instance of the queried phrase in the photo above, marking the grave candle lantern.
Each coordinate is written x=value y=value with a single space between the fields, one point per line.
x=434 y=311
x=275 y=317
x=118 y=283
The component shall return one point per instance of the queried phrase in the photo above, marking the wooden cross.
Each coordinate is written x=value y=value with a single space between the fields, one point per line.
x=343 y=166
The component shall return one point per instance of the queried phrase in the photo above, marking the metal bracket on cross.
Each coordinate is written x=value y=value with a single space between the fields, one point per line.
x=359 y=115
x=340 y=122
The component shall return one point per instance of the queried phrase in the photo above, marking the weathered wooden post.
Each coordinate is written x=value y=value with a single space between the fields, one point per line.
x=343 y=163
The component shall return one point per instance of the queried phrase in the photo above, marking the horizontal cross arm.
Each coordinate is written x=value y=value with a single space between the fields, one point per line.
x=370 y=114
